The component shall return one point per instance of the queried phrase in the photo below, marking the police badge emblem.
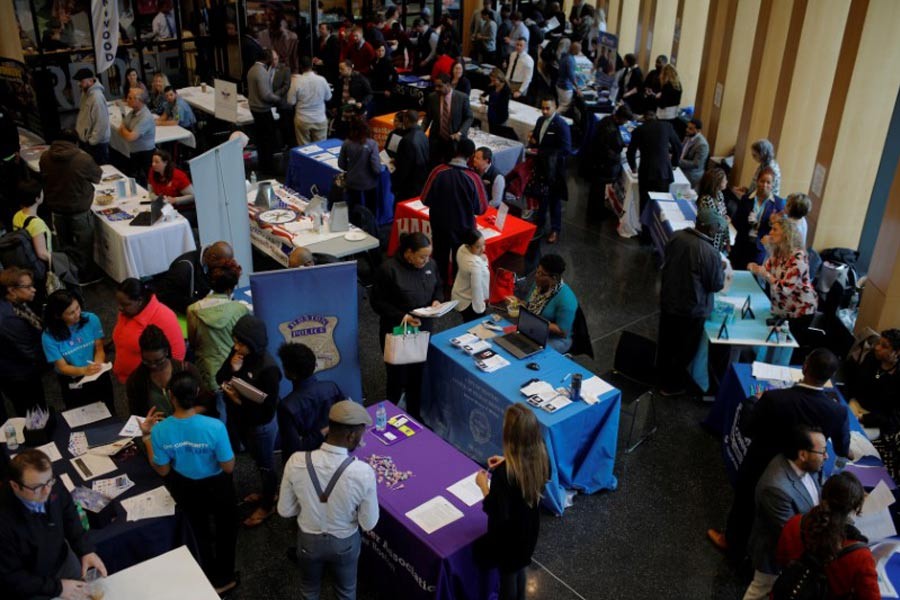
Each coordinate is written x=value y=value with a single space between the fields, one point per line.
x=317 y=333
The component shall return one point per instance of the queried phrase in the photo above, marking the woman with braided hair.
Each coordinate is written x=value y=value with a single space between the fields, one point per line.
x=827 y=534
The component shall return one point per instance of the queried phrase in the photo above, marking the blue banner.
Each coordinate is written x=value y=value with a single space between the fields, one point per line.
x=315 y=306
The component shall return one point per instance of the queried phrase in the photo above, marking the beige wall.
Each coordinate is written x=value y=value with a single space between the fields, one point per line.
x=612 y=16
x=862 y=130
x=628 y=33
x=690 y=47
x=10 y=46
x=664 y=28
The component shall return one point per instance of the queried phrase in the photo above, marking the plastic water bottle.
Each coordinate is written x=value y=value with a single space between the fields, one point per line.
x=83 y=517
x=380 y=418
x=12 y=438
x=253 y=179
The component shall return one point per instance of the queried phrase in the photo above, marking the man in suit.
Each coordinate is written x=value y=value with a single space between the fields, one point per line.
x=412 y=158
x=451 y=115
x=352 y=95
x=328 y=54
x=790 y=485
x=694 y=153
x=660 y=150
x=552 y=141
x=768 y=426
x=455 y=194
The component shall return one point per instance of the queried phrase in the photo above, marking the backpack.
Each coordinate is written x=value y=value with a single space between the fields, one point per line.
x=16 y=250
x=805 y=579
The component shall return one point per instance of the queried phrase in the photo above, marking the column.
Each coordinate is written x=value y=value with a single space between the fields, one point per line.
x=10 y=46
x=663 y=29
x=645 y=34
x=687 y=46
x=628 y=26
x=613 y=14
x=717 y=50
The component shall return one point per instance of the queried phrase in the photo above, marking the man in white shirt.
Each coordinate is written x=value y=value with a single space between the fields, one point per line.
x=332 y=495
x=790 y=485
x=164 y=22
x=520 y=69
x=309 y=92
x=519 y=31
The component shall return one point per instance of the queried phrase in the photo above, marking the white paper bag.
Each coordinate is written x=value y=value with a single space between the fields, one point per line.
x=406 y=348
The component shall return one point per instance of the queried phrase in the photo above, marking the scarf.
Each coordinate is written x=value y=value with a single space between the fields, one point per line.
x=24 y=312
x=538 y=300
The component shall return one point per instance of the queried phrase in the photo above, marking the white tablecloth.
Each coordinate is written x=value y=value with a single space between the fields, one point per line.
x=507 y=153
x=522 y=117
x=206 y=101
x=174 y=575
x=124 y=251
x=167 y=133
x=630 y=221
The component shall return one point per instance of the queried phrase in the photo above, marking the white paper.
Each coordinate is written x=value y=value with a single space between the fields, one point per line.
x=417 y=205
x=434 y=514
x=149 y=505
x=494 y=363
x=67 y=482
x=488 y=232
x=679 y=224
x=335 y=150
x=861 y=446
x=502 y=213
x=771 y=372
x=332 y=162
x=467 y=490
x=91 y=466
x=552 y=24
x=661 y=197
x=877 y=500
x=114 y=486
x=876 y=526
x=593 y=388
x=557 y=403
x=386 y=160
x=51 y=451
x=311 y=149
x=436 y=311
x=132 y=427
x=393 y=143
x=539 y=388
x=19 y=422
x=78 y=417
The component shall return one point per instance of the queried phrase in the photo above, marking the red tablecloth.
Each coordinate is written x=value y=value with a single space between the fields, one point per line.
x=515 y=237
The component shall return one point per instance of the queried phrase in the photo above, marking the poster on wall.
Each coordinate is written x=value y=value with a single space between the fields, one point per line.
x=17 y=95
x=608 y=46
x=105 y=14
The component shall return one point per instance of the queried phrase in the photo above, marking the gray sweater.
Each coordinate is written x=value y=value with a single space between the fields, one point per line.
x=260 y=95
x=362 y=164
x=92 y=123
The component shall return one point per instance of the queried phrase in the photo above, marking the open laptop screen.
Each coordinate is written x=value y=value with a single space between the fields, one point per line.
x=536 y=328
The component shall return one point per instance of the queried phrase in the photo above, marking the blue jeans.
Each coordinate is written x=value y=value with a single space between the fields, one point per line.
x=560 y=344
x=260 y=443
x=341 y=555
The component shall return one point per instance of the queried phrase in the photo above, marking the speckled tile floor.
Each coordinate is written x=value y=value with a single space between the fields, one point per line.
x=644 y=540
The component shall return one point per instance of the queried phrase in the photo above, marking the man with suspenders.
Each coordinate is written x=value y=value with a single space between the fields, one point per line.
x=333 y=496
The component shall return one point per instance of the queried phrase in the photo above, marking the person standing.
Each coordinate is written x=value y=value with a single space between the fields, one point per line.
x=753 y=221
x=361 y=53
x=192 y=451
x=606 y=148
x=384 y=78
x=411 y=162
x=262 y=99
x=138 y=128
x=21 y=356
x=566 y=83
x=710 y=189
x=187 y=279
x=356 y=93
x=552 y=141
x=278 y=37
x=694 y=153
x=512 y=497
x=455 y=194
x=660 y=151
x=309 y=92
x=360 y=160
x=520 y=70
x=630 y=85
x=484 y=37
x=92 y=122
x=692 y=273
x=472 y=286
x=148 y=386
x=497 y=100
x=328 y=54
x=449 y=115
x=333 y=496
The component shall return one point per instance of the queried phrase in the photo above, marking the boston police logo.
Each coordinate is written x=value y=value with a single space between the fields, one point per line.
x=317 y=333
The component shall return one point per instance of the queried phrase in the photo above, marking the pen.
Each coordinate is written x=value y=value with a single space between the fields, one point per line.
x=566 y=377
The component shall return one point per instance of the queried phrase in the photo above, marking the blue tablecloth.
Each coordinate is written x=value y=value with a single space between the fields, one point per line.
x=304 y=171
x=411 y=91
x=742 y=332
x=465 y=406
x=660 y=228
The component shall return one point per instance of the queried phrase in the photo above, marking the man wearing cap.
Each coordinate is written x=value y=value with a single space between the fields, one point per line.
x=92 y=123
x=332 y=495
x=692 y=273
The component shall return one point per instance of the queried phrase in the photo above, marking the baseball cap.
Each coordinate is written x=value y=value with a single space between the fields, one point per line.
x=348 y=412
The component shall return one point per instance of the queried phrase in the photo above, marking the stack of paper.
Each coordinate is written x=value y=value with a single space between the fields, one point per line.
x=436 y=311
x=85 y=415
x=763 y=370
x=417 y=205
x=593 y=388
x=467 y=490
x=488 y=232
x=492 y=363
x=311 y=149
x=861 y=446
x=149 y=505
x=874 y=521
x=434 y=514
x=89 y=466
x=541 y=389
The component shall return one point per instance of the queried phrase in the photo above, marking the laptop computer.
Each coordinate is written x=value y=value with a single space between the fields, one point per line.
x=529 y=338
x=149 y=217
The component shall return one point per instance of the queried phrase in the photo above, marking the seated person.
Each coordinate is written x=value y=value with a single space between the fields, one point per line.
x=872 y=385
x=187 y=279
x=44 y=552
x=158 y=85
x=303 y=414
x=301 y=257
x=554 y=300
x=176 y=111
x=168 y=181
x=30 y=198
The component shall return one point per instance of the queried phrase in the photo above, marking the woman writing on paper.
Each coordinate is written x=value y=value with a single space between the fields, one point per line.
x=405 y=282
x=471 y=288
x=512 y=499
x=73 y=343
x=251 y=415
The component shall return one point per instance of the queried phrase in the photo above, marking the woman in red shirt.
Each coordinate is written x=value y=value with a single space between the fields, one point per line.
x=826 y=530
x=168 y=181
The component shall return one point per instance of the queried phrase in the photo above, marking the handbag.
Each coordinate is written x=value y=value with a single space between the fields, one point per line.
x=53 y=282
x=406 y=346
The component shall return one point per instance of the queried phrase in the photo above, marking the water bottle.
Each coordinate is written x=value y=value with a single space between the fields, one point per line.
x=380 y=418
x=83 y=516
x=575 y=390
x=12 y=438
x=253 y=179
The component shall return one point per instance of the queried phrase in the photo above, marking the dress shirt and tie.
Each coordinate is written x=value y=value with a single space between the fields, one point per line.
x=520 y=72
x=445 y=117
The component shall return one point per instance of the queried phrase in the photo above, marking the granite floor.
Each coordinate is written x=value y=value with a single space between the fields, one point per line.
x=644 y=540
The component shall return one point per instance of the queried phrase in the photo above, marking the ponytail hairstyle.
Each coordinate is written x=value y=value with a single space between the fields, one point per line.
x=823 y=528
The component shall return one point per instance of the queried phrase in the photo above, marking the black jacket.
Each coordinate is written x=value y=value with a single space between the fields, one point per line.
x=33 y=547
x=411 y=165
x=513 y=526
x=400 y=287
x=384 y=75
x=360 y=90
x=553 y=153
x=183 y=284
x=660 y=150
x=330 y=55
x=20 y=344
x=607 y=149
x=691 y=275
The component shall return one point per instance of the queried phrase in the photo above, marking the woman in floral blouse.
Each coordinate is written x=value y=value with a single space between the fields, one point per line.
x=711 y=186
x=787 y=272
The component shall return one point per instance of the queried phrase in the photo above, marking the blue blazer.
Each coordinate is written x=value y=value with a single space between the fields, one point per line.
x=747 y=250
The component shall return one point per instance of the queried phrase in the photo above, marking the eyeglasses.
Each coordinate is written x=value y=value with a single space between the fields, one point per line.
x=155 y=363
x=39 y=487
x=820 y=452
x=30 y=286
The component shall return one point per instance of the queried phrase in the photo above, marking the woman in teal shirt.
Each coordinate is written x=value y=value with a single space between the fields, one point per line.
x=554 y=300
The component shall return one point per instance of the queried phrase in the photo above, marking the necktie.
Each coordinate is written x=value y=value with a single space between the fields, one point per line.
x=170 y=21
x=445 y=118
x=346 y=94
x=512 y=72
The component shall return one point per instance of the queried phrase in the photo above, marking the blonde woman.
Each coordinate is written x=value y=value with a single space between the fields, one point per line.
x=668 y=100
x=512 y=498
x=787 y=272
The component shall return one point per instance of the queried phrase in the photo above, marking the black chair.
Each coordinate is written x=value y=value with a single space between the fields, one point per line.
x=581 y=337
x=634 y=373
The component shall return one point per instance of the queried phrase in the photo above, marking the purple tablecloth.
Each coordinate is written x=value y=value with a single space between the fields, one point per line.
x=398 y=556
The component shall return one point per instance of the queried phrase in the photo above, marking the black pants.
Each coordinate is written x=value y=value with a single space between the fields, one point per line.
x=264 y=123
x=679 y=338
x=25 y=392
x=444 y=244
x=211 y=508
x=140 y=165
x=75 y=233
x=512 y=585
x=743 y=507
x=368 y=198
x=469 y=314
x=99 y=152
x=646 y=185
x=98 y=390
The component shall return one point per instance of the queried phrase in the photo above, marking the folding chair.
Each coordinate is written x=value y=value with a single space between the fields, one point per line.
x=634 y=373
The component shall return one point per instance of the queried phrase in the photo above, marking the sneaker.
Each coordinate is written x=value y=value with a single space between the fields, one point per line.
x=718 y=539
